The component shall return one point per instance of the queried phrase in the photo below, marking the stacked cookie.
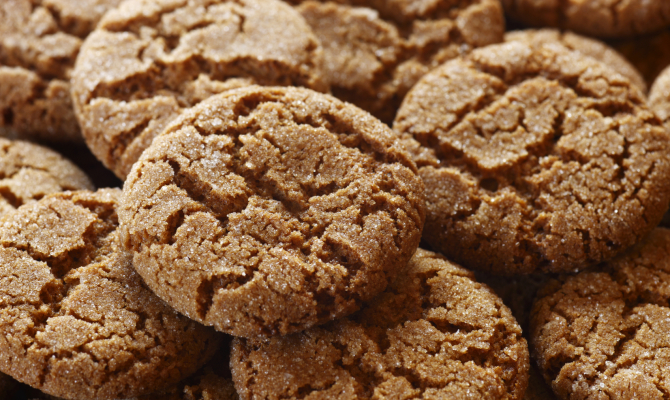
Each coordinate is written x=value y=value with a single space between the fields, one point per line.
x=265 y=243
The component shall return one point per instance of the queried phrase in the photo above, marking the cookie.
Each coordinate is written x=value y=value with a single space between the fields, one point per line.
x=587 y=46
x=75 y=318
x=375 y=51
x=28 y=172
x=434 y=333
x=650 y=54
x=268 y=210
x=659 y=97
x=149 y=59
x=39 y=42
x=599 y=18
x=534 y=158
x=603 y=333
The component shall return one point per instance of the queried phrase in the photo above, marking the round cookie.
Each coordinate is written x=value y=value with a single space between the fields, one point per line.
x=604 y=333
x=28 y=172
x=375 y=51
x=434 y=333
x=75 y=318
x=599 y=18
x=587 y=46
x=534 y=157
x=149 y=59
x=265 y=211
x=659 y=97
x=39 y=42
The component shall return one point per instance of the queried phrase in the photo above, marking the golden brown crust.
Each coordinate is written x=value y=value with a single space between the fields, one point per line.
x=265 y=211
x=434 y=333
x=535 y=158
x=29 y=172
x=585 y=45
x=75 y=319
x=599 y=18
x=149 y=59
x=39 y=41
x=604 y=333
x=375 y=51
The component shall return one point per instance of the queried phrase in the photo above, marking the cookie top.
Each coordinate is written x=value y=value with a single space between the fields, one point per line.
x=28 y=172
x=149 y=59
x=75 y=318
x=604 y=333
x=434 y=333
x=535 y=158
x=265 y=211
x=659 y=97
x=375 y=51
x=39 y=42
x=585 y=45
x=599 y=18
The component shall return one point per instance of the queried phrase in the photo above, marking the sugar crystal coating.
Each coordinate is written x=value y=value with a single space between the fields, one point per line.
x=264 y=211
x=535 y=157
x=75 y=319
x=434 y=333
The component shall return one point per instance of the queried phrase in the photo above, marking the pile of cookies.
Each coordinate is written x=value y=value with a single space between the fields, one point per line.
x=334 y=199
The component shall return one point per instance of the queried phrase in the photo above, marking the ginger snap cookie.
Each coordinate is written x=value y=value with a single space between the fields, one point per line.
x=39 y=42
x=535 y=157
x=434 y=333
x=29 y=171
x=604 y=332
x=149 y=59
x=650 y=54
x=659 y=97
x=599 y=18
x=265 y=211
x=375 y=51
x=585 y=45
x=75 y=319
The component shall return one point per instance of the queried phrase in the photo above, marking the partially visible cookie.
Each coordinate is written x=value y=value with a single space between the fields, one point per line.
x=149 y=59
x=375 y=51
x=585 y=45
x=75 y=318
x=604 y=333
x=434 y=333
x=267 y=210
x=599 y=18
x=535 y=157
x=659 y=97
x=650 y=54
x=29 y=172
x=39 y=42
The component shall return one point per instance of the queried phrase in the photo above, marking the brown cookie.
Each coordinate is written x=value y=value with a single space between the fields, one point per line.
x=650 y=54
x=600 y=18
x=375 y=51
x=265 y=211
x=659 y=97
x=39 y=41
x=149 y=59
x=535 y=158
x=604 y=333
x=587 y=46
x=434 y=333
x=28 y=172
x=75 y=319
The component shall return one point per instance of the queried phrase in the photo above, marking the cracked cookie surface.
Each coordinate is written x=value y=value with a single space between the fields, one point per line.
x=39 y=42
x=75 y=319
x=535 y=158
x=375 y=51
x=28 y=172
x=604 y=333
x=434 y=333
x=599 y=18
x=149 y=59
x=265 y=211
x=585 y=45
